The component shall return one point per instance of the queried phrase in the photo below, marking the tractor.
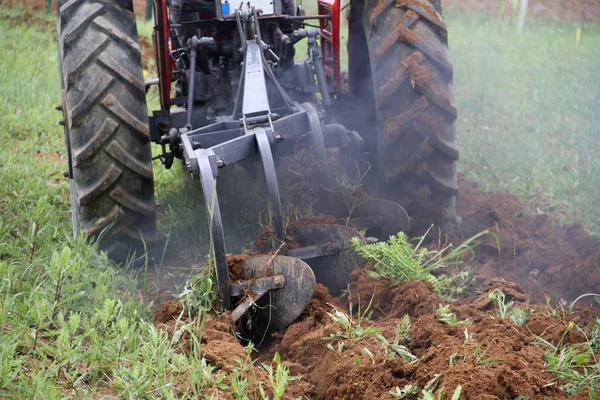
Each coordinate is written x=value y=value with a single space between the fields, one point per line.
x=234 y=90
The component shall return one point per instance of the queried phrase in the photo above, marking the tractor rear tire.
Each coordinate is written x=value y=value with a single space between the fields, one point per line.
x=106 y=125
x=408 y=83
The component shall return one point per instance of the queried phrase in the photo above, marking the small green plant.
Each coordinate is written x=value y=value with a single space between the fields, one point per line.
x=339 y=349
x=454 y=357
x=199 y=294
x=279 y=377
x=428 y=395
x=519 y=315
x=445 y=315
x=433 y=383
x=403 y=330
x=508 y=309
x=503 y=307
x=352 y=330
x=596 y=296
x=551 y=310
x=482 y=360
x=369 y=353
x=396 y=349
x=468 y=337
x=595 y=336
x=408 y=390
x=350 y=189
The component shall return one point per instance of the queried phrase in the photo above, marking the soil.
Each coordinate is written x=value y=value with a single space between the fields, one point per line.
x=543 y=259
x=489 y=357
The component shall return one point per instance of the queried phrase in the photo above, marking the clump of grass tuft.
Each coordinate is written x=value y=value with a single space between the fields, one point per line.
x=575 y=366
x=399 y=261
x=508 y=310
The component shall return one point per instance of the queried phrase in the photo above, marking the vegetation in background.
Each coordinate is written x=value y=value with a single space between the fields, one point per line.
x=528 y=120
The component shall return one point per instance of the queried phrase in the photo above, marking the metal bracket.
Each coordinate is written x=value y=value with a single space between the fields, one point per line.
x=258 y=288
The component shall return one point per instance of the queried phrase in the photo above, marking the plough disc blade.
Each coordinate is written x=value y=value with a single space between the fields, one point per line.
x=280 y=307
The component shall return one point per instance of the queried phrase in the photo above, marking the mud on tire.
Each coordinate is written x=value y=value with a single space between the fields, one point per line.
x=408 y=80
x=106 y=124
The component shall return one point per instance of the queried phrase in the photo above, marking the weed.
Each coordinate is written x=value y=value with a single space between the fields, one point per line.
x=279 y=376
x=575 y=365
x=506 y=309
x=352 y=331
x=519 y=315
x=199 y=295
x=369 y=353
x=433 y=383
x=454 y=357
x=502 y=306
x=403 y=330
x=428 y=395
x=480 y=359
x=395 y=349
x=339 y=349
x=397 y=260
x=408 y=390
x=596 y=296
x=468 y=337
x=446 y=316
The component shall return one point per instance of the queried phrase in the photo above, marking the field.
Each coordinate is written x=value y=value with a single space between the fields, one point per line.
x=497 y=316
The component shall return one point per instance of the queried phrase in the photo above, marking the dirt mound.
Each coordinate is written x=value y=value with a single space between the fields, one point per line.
x=562 y=262
x=220 y=348
x=489 y=357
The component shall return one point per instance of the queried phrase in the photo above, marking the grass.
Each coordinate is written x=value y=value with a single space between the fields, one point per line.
x=528 y=121
x=71 y=322
x=575 y=366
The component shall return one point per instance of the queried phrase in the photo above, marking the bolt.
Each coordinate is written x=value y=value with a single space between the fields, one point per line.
x=278 y=137
x=66 y=174
x=58 y=107
x=220 y=163
x=188 y=165
x=61 y=122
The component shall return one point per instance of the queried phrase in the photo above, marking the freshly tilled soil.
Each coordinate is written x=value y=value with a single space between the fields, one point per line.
x=489 y=357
